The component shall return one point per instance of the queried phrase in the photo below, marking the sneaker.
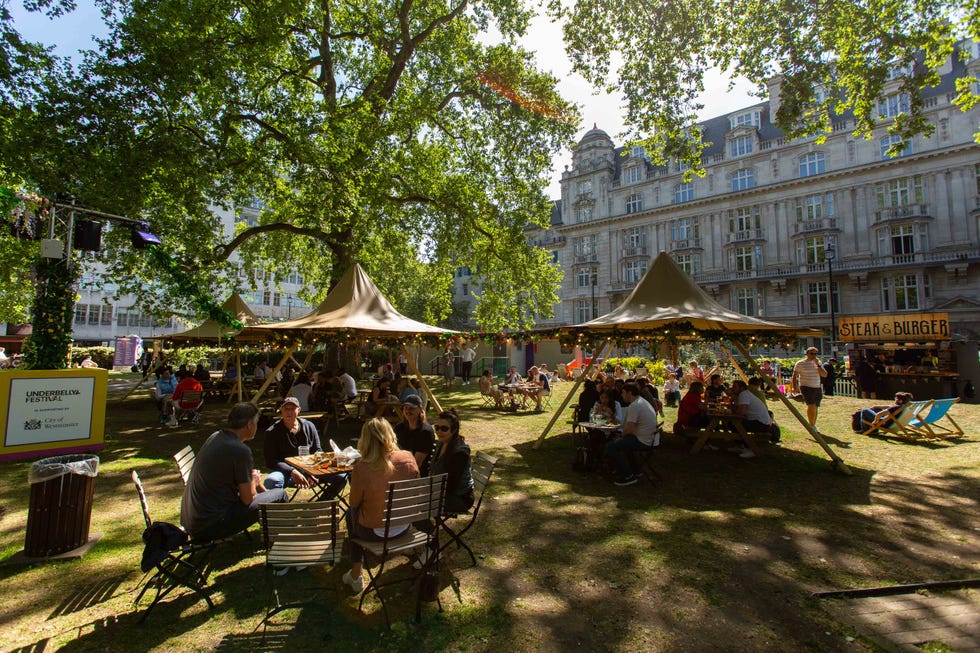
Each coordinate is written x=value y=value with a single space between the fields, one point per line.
x=748 y=453
x=164 y=419
x=355 y=584
x=626 y=480
x=710 y=447
x=280 y=571
x=172 y=422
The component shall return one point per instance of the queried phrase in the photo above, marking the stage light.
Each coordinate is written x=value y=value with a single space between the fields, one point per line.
x=142 y=237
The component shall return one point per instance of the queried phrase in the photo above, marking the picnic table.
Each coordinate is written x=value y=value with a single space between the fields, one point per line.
x=512 y=389
x=723 y=424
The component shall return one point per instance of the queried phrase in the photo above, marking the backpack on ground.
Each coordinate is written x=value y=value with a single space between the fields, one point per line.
x=584 y=460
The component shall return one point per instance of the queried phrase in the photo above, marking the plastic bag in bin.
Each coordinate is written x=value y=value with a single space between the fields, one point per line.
x=56 y=466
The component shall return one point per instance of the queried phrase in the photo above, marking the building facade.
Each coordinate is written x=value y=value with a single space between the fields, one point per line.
x=99 y=319
x=785 y=230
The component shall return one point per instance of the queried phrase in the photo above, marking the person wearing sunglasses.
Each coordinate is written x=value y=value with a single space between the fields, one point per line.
x=452 y=457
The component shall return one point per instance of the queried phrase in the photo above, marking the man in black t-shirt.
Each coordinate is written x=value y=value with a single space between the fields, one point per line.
x=223 y=491
x=415 y=434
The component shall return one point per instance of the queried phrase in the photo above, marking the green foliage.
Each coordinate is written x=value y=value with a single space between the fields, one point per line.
x=656 y=371
x=658 y=57
x=382 y=133
x=101 y=356
x=47 y=347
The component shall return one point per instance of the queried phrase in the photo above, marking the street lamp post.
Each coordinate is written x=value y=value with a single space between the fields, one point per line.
x=289 y=309
x=828 y=254
x=593 y=275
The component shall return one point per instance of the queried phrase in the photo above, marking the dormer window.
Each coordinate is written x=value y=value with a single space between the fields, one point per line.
x=892 y=106
x=637 y=152
x=748 y=118
x=897 y=72
x=634 y=175
x=741 y=146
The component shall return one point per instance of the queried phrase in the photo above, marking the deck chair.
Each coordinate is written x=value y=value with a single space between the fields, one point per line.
x=185 y=460
x=483 y=467
x=407 y=502
x=645 y=458
x=298 y=535
x=898 y=425
x=189 y=404
x=928 y=424
x=488 y=401
x=546 y=400
x=178 y=562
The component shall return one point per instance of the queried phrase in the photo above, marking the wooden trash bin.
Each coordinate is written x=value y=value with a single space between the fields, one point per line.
x=60 y=508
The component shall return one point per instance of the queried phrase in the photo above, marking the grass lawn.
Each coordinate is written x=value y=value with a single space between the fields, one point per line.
x=723 y=554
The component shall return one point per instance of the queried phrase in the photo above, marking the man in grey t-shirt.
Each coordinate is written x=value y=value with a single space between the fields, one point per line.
x=224 y=491
x=641 y=431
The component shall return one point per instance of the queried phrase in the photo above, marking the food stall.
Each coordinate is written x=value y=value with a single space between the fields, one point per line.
x=911 y=353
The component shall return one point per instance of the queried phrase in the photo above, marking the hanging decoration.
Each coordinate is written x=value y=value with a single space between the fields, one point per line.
x=202 y=301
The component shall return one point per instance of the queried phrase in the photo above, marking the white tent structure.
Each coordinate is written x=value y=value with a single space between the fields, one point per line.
x=667 y=299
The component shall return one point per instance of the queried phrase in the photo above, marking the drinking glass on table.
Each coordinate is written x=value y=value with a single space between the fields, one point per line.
x=303 y=450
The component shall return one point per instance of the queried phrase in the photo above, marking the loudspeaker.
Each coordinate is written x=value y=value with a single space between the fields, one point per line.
x=88 y=235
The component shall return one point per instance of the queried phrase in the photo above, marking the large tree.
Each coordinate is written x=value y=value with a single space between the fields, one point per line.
x=382 y=132
x=832 y=56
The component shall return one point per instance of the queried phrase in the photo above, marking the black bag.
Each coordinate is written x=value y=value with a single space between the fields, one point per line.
x=774 y=432
x=583 y=460
x=429 y=586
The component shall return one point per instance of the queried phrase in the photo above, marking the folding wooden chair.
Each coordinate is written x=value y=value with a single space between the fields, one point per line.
x=928 y=425
x=185 y=461
x=488 y=401
x=178 y=562
x=898 y=424
x=188 y=406
x=482 y=470
x=407 y=502
x=645 y=458
x=298 y=535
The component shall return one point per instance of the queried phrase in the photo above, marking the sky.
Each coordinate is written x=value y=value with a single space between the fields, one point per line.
x=73 y=32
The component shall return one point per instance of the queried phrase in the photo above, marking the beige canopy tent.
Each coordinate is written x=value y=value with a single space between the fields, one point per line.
x=213 y=332
x=356 y=307
x=667 y=299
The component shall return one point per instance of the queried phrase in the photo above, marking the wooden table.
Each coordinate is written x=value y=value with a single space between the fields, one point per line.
x=723 y=424
x=391 y=411
x=510 y=389
x=320 y=474
x=605 y=428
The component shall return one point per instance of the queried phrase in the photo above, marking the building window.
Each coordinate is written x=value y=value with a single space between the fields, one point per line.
x=690 y=263
x=633 y=175
x=684 y=192
x=815 y=298
x=106 y=319
x=583 y=213
x=266 y=297
x=750 y=118
x=746 y=259
x=633 y=271
x=887 y=142
x=81 y=313
x=584 y=310
x=634 y=240
x=814 y=207
x=811 y=250
x=743 y=179
x=899 y=192
x=740 y=146
x=745 y=221
x=897 y=72
x=892 y=106
x=276 y=299
x=634 y=203
x=900 y=242
x=684 y=229
x=585 y=277
x=904 y=292
x=466 y=289
x=584 y=247
x=976 y=173
x=93 y=314
x=813 y=163
x=747 y=301
x=584 y=188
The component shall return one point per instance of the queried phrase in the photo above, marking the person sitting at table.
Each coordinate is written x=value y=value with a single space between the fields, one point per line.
x=348 y=387
x=672 y=390
x=379 y=396
x=586 y=400
x=649 y=392
x=186 y=384
x=606 y=410
x=260 y=372
x=620 y=372
x=414 y=434
x=322 y=391
x=223 y=491
x=302 y=390
x=640 y=432
x=406 y=388
x=716 y=389
x=755 y=415
x=231 y=372
x=512 y=378
x=201 y=372
x=885 y=413
x=540 y=386
x=283 y=440
x=696 y=373
x=488 y=389
x=163 y=390
x=381 y=462
x=755 y=387
x=452 y=457
x=690 y=412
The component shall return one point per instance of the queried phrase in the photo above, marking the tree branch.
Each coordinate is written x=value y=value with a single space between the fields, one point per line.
x=223 y=252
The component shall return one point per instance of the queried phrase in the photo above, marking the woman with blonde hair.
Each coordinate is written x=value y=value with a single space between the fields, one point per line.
x=381 y=462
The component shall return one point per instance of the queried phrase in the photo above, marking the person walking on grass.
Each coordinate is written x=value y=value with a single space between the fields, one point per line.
x=807 y=375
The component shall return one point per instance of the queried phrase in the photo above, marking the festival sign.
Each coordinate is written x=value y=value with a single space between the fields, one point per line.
x=911 y=327
x=47 y=412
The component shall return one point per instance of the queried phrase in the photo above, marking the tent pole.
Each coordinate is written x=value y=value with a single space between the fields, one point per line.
x=238 y=366
x=271 y=376
x=735 y=364
x=306 y=361
x=835 y=459
x=418 y=375
x=571 y=393
x=146 y=375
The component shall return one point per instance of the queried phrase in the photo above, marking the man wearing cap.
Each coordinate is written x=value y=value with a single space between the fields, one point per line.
x=283 y=440
x=807 y=375
x=415 y=434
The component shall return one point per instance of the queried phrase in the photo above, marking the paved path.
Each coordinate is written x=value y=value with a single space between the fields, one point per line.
x=900 y=623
